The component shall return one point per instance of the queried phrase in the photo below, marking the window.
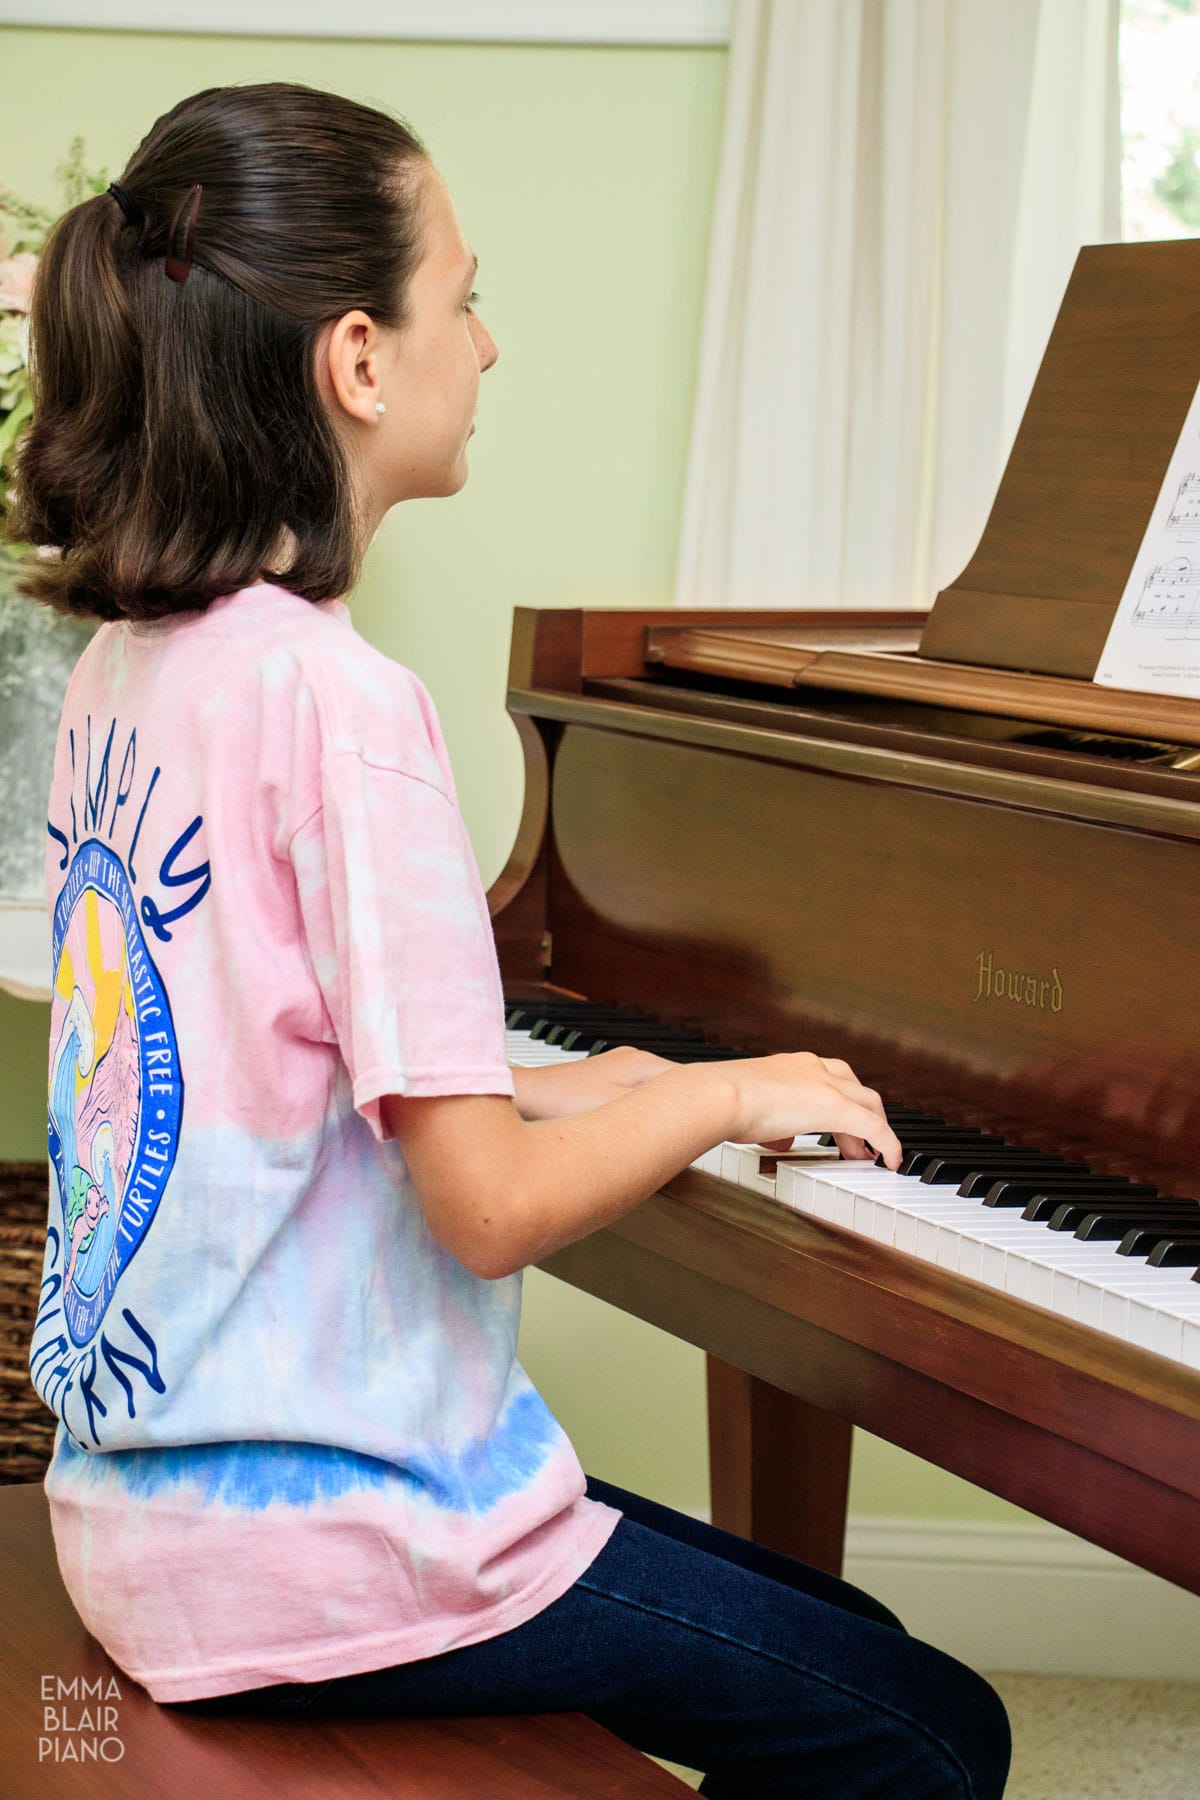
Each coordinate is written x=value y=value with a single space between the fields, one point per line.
x=1160 y=118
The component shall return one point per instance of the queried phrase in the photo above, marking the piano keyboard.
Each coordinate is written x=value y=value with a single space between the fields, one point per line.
x=1107 y=1253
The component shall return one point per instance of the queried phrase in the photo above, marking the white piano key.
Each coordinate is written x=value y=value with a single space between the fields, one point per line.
x=1022 y=1257
x=1146 y=1309
x=529 y=1052
x=970 y=1258
x=1155 y=1309
x=752 y=1175
x=873 y=1218
x=731 y=1156
x=794 y=1184
x=1168 y=1334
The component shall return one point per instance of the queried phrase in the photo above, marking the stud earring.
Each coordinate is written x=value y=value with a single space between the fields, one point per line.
x=380 y=409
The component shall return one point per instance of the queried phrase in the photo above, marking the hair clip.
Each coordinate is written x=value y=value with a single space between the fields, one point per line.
x=126 y=202
x=179 y=268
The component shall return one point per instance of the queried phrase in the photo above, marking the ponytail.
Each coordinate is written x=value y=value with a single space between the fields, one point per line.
x=178 y=437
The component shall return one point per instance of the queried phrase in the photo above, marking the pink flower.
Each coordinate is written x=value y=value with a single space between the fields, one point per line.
x=16 y=281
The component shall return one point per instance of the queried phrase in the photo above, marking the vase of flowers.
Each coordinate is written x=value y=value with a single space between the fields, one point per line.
x=38 y=647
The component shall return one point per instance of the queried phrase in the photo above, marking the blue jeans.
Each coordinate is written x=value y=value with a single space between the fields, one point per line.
x=699 y=1647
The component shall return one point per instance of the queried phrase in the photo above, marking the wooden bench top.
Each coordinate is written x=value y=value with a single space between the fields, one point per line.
x=144 y=1751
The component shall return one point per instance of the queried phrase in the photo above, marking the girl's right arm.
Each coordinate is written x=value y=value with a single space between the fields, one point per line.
x=500 y=1191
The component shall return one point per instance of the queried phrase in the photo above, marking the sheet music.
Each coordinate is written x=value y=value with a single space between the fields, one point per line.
x=1153 y=645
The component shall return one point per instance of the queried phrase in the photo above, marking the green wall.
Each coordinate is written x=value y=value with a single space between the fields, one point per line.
x=584 y=179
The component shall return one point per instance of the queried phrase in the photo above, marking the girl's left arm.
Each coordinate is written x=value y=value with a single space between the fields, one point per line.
x=561 y=1090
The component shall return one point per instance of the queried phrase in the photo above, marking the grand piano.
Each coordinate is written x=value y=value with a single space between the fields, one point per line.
x=927 y=843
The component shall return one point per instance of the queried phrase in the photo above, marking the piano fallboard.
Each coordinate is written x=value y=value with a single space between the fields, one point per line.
x=966 y=937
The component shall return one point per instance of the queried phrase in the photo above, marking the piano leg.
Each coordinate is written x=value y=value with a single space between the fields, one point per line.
x=780 y=1468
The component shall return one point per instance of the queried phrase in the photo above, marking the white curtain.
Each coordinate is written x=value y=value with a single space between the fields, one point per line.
x=903 y=187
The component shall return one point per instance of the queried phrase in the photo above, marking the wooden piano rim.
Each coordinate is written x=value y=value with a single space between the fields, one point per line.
x=810 y=1270
x=1136 y=811
x=1016 y=1325
x=1098 y=1436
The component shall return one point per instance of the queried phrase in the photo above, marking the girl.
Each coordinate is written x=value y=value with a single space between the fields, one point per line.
x=297 y=1463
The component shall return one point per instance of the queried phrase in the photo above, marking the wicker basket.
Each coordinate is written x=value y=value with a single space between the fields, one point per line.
x=27 y=1427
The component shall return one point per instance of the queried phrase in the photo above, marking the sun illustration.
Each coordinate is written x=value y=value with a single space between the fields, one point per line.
x=107 y=972
x=94 y=1088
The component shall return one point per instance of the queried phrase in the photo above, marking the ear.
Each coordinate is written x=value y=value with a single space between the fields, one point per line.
x=348 y=366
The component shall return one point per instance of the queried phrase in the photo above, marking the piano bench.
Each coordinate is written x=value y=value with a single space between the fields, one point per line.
x=130 y=1748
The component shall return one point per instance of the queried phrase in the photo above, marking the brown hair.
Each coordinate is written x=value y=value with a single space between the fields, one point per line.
x=177 y=427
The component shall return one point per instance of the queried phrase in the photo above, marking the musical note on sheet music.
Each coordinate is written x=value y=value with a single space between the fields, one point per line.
x=1153 y=644
x=1170 y=598
x=1183 y=520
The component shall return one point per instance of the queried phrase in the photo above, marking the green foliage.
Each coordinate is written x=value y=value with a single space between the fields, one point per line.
x=23 y=230
x=1178 y=187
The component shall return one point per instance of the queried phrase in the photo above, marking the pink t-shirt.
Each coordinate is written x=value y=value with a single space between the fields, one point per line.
x=294 y=1440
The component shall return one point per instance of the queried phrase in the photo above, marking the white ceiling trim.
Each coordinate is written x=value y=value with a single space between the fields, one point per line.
x=478 y=21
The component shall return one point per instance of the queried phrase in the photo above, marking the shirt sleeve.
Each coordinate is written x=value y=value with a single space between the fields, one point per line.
x=398 y=931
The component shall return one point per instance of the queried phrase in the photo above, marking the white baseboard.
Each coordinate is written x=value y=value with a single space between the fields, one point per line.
x=1028 y=1598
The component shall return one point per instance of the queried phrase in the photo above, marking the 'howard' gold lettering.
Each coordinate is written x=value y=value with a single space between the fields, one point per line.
x=1019 y=987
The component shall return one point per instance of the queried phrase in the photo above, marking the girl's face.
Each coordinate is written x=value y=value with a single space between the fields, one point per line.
x=430 y=368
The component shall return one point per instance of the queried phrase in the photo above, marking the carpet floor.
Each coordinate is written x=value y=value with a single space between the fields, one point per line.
x=1076 y=1739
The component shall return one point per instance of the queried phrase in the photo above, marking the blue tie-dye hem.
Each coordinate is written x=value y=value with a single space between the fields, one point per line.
x=254 y=1475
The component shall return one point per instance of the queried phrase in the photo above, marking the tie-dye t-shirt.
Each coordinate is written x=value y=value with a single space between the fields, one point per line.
x=294 y=1441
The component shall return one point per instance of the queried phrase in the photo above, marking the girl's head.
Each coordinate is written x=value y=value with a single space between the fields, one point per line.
x=319 y=362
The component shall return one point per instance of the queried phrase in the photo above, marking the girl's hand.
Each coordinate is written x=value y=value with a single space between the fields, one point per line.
x=779 y=1097
x=562 y=1090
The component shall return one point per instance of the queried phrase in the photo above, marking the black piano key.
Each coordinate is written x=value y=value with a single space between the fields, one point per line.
x=605 y=1031
x=609 y=1022
x=1143 y=1240
x=947 y=1171
x=905 y=1121
x=580 y=1025
x=952 y=1133
x=1108 y=1227
x=1073 y=1209
x=522 y=1013
x=1042 y=1208
x=614 y=1022
x=913 y=1115
x=1024 y=1189
x=683 y=1053
x=636 y=1029
x=664 y=1042
x=919 y=1157
x=1176 y=1253
x=525 y=1013
x=919 y=1112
